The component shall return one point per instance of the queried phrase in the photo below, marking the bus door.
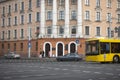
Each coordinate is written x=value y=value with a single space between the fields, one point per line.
x=104 y=49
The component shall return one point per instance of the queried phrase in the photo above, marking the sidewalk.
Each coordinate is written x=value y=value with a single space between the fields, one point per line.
x=33 y=59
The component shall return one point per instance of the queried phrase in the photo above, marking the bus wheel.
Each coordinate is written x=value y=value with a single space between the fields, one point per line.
x=115 y=59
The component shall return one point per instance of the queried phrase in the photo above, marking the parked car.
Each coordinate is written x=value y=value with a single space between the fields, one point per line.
x=12 y=55
x=69 y=57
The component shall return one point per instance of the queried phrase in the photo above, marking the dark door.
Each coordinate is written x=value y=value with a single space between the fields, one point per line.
x=60 y=49
x=47 y=49
x=72 y=48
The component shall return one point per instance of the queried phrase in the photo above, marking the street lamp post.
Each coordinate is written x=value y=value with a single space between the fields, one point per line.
x=110 y=28
x=29 y=44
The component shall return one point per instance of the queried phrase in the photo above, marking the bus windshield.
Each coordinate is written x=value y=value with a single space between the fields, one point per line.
x=92 y=47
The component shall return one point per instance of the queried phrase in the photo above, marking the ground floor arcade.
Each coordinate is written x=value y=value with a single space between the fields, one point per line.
x=52 y=47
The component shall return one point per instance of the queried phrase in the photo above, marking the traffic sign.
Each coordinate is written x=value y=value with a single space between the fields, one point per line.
x=77 y=41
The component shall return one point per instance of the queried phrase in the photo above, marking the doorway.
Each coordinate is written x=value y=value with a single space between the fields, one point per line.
x=72 y=48
x=60 y=49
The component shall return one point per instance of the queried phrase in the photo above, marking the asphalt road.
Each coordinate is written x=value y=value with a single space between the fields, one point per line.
x=59 y=71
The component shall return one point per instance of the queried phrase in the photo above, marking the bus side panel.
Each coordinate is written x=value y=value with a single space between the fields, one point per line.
x=91 y=58
x=101 y=57
x=106 y=57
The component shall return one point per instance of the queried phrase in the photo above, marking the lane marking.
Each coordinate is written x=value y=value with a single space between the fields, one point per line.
x=64 y=69
x=87 y=71
x=97 y=72
x=109 y=74
x=102 y=78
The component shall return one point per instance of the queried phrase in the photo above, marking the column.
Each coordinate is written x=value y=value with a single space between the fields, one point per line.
x=67 y=29
x=79 y=19
x=42 y=18
x=54 y=23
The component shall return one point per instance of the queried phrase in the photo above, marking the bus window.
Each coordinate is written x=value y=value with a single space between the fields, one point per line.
x=105 y=47
x=115 y=47
x=92 y=48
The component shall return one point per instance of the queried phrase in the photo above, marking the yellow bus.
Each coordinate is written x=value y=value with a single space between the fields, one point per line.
x=103 y=50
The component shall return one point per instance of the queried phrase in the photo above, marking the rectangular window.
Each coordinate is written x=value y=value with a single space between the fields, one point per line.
x=3 y=35
x=97 y=3
x=73 y=2
x=109 y=16
x=21 y=46
x=30 y=4
x=119 y=31
x=8 y=34
x=16 y=8
x=36 y=46
x=98 y=16
x=118 y=18
x=108 y=31
x=15 y=34
x=87 y=2
x=38 y=16
x=49 y=15
x=3 y=22
x=15 y=20
x=37 y=31
x=2 y=46
x=14 y=46
x=38 y=2
x=49 y=30
x=87 y=15
x=50 y=2
x=61 y=2
x=73 y=31
x=86 y=30
x=9 y=21
x=22 y=33
x=109 y=3
x=8 y=46
x=22 y=6
x=9 y=9
x=74 y=15
x=97 y=31
x=61 y=15
x=118 y=4
x=22 y=19
x=61 y=30
x=30 y=18
x=3 y=10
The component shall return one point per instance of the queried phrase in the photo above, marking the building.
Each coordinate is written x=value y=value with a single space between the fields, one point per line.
x=55 y=26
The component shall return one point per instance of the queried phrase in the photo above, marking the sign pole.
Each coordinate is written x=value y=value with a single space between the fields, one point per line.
x=29 y=44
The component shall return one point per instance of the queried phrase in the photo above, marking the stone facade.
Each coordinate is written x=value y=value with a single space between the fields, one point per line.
x=55 y=25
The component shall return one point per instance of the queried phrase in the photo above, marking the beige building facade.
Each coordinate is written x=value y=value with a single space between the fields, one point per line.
x=55 y=26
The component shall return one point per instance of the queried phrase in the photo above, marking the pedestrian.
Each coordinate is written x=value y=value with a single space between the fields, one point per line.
x=42 y=53
x=40 y=56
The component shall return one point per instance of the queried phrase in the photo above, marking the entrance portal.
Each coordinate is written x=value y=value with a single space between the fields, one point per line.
x=72 y=48
x=60 y=49
x=47 y=50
